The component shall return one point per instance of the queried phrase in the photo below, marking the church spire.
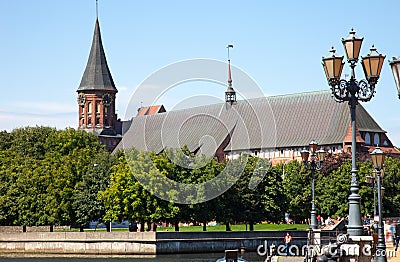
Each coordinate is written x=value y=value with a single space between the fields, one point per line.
x=230 y=94
x=97 y=75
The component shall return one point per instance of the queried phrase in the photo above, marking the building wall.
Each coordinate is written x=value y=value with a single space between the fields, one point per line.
x=277 y=155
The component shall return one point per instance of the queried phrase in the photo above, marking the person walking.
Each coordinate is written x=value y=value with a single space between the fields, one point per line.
x=288 y=240
x=396 y=235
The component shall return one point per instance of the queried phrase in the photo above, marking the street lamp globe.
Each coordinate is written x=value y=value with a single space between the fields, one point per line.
x=378 y=158
x=395 y=65
x=304 y=155
x=369 y=179
x=372 y=64
x=321 y=155
x=313 y=146
x=352 y=45
x=333 y=66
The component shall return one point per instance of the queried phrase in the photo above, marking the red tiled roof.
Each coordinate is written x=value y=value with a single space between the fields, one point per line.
x=347 y=138
x=150 y=110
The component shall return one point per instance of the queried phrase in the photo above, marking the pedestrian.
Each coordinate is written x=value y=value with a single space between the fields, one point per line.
x=288 y=240
x=319 y=220
x=396 y=235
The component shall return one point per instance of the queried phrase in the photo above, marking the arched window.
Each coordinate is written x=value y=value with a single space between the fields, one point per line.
x=367 y=139
x=376 y=139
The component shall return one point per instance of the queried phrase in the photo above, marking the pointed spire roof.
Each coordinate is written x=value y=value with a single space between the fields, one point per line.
x=97 y=75
x=229 y=75
x=230 y=94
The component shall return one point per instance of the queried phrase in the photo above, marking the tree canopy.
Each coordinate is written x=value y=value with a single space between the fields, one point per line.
x=66 y=177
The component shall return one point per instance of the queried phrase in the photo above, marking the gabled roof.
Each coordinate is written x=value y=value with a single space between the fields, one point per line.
x=348 y=137
x=97 y=75
x=151 y=110
x=268 y=122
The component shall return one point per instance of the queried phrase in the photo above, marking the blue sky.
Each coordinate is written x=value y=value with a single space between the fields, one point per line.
x=45 y=45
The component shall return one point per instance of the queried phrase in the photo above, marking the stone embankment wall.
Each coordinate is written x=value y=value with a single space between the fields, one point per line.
x=78 y=243
x=139 y=243
x=197 y=242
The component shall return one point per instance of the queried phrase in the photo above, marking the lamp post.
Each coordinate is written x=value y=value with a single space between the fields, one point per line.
x=395 y=65
x=378 y=159
x=352 y=91
x=371 y=181
x=313 y=165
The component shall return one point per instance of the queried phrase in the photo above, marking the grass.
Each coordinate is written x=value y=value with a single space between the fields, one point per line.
x=258 y=227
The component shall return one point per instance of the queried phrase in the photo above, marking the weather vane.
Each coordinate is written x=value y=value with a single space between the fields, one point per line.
x=97 y=8
x=229 y=46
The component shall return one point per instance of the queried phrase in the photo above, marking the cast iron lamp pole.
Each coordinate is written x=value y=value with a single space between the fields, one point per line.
x=313 y=165
x=378 y=159
x=395 y=65
x=353 y=91
x=370 y=180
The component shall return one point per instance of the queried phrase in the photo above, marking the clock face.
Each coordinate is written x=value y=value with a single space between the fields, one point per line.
x=81 y=99
x=107 y=99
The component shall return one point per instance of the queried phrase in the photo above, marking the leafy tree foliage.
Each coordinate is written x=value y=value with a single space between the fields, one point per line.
x=87 y=204
x=40 y=170
x=126 y=198
x=64 y=177
x=297 y=184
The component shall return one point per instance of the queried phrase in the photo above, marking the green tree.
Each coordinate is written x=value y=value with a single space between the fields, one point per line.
x=40 y=168
x=126 y=198
x=297 y=185
x=257 y=194
x=87 y=205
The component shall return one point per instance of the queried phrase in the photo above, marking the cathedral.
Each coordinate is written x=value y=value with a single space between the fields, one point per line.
x=242 y=126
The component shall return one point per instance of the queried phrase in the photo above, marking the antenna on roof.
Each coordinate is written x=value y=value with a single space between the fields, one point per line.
x=97 y=8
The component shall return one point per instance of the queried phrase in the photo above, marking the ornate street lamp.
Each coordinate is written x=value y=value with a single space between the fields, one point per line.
x=395 y=65
x=378 y=159
x=371 y=181
x=313 y=165
x=353 y=91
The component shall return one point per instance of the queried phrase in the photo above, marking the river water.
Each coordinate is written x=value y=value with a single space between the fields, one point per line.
x=251 y=257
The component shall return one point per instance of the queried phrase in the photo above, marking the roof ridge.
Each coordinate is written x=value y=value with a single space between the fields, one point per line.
x=304 y=94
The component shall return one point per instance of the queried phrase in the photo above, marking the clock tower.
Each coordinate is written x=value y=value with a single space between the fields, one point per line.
x=96 y=96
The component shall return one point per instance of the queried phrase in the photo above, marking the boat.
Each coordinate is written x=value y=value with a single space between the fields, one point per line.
x=231 y=256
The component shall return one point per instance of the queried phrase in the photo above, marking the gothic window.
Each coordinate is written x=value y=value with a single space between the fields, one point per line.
x=376 y=139
x=367 y=139
x=89 y=121
x=89 y=107
x=97 y=121
x=385 y=143
x=98 y=107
